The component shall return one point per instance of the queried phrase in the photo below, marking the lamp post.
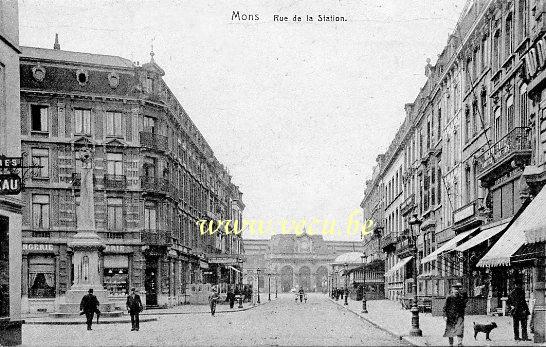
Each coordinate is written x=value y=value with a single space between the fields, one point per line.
x=276 y=287
x=269 y=286
x=258 y=272
x=346 y=290
x=415 y=224
x=364 y=308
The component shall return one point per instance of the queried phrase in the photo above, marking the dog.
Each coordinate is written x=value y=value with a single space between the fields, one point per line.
x=484 y=328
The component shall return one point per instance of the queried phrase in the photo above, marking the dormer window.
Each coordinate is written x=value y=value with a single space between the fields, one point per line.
x=82 y=76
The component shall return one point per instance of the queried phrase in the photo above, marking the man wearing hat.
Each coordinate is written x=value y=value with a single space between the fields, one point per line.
x=454 y=314
x=519 y=310
x=134 y=306
x=88 y=306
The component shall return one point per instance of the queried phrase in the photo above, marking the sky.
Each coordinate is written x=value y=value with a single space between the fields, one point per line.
x=296 y=111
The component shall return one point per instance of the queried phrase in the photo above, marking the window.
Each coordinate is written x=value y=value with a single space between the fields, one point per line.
x=82 y=121
x=149 y=124
x=468 y=187
x=508 y=37
x=41 y=277
x=523 y=106
x=498 y=124
x=40 y=157
x=40 y=211
x=113 y=124
x=522 y=19
x=150 y=220
x=439 y=123
x=115 y=214
x=4 y=266
x=483 y=110
x=149 y=85
x=510 y=113
x=39 y=119
x=483 y=50
x=115 y=163
x=474 y=118
x=496 y=51
x=467 y=126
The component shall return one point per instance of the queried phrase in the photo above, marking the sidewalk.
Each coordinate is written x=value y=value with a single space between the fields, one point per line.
x=145 y=316
x=389 y=316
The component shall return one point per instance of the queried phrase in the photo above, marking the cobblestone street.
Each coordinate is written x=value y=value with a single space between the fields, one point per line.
x=280 y=322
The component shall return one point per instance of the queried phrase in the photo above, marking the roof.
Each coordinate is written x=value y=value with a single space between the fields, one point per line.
x=76 y=57
x=349 y=258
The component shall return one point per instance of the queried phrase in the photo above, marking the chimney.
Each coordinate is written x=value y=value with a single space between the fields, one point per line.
x=57 y=46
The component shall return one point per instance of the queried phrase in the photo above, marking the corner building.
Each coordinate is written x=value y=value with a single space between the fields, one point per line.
x=155 y=177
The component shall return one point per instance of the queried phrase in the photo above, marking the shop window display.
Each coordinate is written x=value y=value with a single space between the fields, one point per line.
x=116 y=281
x=41 y=277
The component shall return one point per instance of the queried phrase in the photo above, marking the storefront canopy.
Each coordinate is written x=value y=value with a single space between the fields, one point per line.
x=398 y=266
x=483 y=236
x=234 y=269
x=350 y=258
x=534 y=224
x=448 y=246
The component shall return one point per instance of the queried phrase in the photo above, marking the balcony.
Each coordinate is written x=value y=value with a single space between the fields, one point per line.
x=152 y=237
x=117 y=182
x=497 y=160
x=153 y=141
x=468 y=215
x=387 y=242
x=154 y=185
x=407 y=205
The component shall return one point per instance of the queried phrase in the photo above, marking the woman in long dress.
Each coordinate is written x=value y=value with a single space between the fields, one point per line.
x=454 y=314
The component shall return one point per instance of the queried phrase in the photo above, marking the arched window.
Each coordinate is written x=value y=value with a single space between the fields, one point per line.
x=508 y=36
x=523 y=106
x=522 y=19
x=510 y=113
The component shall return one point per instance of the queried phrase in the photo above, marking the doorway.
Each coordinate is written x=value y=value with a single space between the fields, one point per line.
x=150 y=282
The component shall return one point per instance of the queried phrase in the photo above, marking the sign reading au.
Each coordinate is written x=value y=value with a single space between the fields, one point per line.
x=10 y=184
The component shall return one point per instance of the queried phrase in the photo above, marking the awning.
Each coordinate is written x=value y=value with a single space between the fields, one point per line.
x=505 y=247
x=448 y=246
x=398 y=265
x=534 y=221
x=483 y=236
x=234 y=269
x=116 y=261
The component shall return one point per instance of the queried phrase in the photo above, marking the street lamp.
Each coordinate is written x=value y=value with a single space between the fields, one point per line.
x=346 y=290
x=269 y=286
x=415 y=225
x=276 y=275
x=364 y=308
x=258 y=272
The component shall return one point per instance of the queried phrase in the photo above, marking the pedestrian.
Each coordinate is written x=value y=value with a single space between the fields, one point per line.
x=519 y=310
x=301 y=293
x=231 y=297
x=134 y=306
x=88 y=306
x=213 y=297
x=454 y=314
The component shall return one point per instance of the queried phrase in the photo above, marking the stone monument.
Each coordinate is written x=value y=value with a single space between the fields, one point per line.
x=86 y=245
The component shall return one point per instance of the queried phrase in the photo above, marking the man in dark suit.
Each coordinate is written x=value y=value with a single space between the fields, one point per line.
x=519 y=310
x=134 y=306
x=89 y=305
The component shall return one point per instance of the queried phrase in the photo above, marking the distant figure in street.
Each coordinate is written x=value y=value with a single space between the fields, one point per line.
x=88 y=306
x=301 y=294
x=454 y=314
x=134 y=306
x=519 y=310
x=213 y=298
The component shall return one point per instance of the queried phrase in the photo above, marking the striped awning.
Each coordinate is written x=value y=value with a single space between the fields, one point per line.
x=448 y=246
x=534 y=224
x=483 y=236
x=398 y=266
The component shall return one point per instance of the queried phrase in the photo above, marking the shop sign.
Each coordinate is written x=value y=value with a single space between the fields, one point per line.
x=463 y=213
x=10 y=184
x=116 y=249
x=37 y=247
x=11 y=162
x=230 y=261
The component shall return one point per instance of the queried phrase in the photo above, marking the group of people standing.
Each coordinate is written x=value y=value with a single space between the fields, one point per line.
x=338 y=293
x=89 y=306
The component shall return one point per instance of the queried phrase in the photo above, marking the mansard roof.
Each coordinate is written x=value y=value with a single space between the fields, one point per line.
x=75 y=57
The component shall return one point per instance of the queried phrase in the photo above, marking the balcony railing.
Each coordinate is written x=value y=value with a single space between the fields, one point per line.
x=115 y=181
x=154 y=184
x=517 y=141
x=153 y=141
x=153 y=237
x=404 y=247
x=387 y=240
x=407 y=205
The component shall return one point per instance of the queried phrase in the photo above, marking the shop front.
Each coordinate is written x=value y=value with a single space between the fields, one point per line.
x=40 y=277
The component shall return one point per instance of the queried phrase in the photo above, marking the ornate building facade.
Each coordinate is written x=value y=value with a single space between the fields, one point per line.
x=290 y=261
x=10 y=205
x=155 y=177
x=472 y=150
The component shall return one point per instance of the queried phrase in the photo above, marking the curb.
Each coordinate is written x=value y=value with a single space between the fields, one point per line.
x=410 y=340
x=77 y=322
x=203 y=312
